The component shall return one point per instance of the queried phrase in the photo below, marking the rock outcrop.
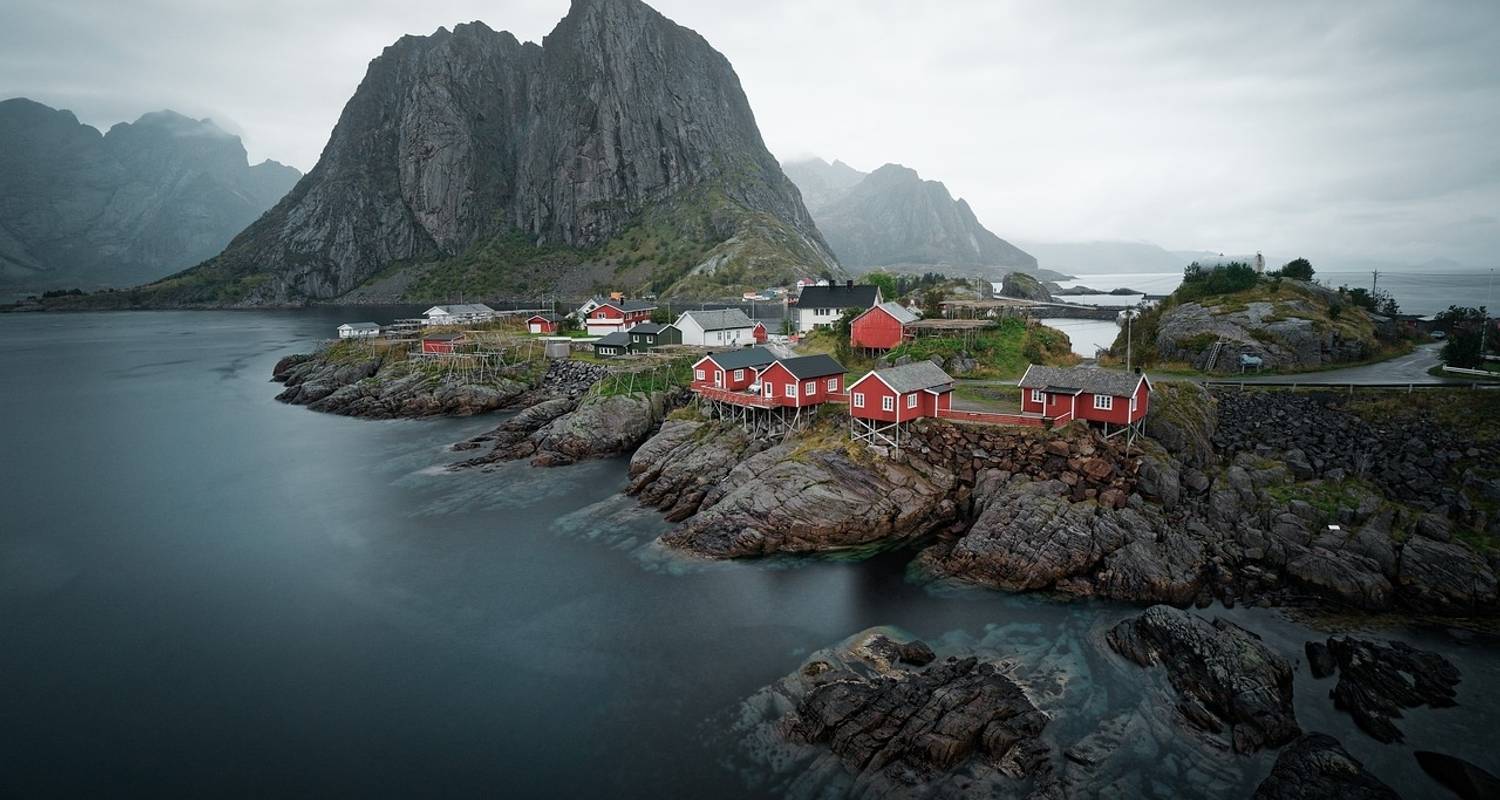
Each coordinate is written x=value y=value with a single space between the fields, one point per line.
x=472 y=142
x=1227 y=681
x=1377 y=681
x=801 y=498
x=1466 y=780
x=1315 y=767
x=893 y=218
x=375 y=384
x=884 y=718
x=675 y=469
x=144 y=200
x=563 y=431
x=1024 y=287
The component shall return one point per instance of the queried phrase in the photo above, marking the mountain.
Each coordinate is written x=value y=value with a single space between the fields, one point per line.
x=821 y=182
x=148 y=198
x=619 y=153
x=893 y=218
x=1115 y=257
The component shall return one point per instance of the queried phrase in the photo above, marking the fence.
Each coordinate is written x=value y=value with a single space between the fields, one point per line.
x=992 y=418
x=1348 y=388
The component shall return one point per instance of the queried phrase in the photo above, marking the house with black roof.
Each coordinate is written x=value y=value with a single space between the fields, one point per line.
x=821 y=306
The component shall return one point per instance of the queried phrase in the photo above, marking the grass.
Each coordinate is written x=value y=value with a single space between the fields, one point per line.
x=1003 y=350
x=997 y=399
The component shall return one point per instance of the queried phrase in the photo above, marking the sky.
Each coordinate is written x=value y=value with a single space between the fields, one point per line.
x=1352 y=133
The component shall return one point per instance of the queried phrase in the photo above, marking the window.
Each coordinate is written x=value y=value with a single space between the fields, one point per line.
x=911 y=400
x=769 y=388
x=888 y=403
x=1038 y=397
x=833 y=384
x=859 y=399
x=811 y=388
x=698 y=374
x=1104 y=402
x=739 y=375
x=1132 y=405
x=791 y=389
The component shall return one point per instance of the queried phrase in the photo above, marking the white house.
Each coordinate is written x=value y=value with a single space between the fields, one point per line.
x=727 y=328
x=359 y=330
x=821 y=306
x=460 y=314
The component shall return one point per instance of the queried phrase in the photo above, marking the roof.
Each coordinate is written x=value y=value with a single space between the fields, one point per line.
x=897 y=311
x=721 y=320
x=740 y=359
x=463 y=308
x=840 y=296
x=652 y=328
x=361 y=326
x=1071 y=380
x=442 y=337
x=549 y=316
x=616 y=339
x=804 y=367
x=630 y=305
x=914 y=377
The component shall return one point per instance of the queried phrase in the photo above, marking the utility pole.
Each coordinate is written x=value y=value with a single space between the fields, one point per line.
x=1484 y=331
x=1129 y=335
x=1374 y=281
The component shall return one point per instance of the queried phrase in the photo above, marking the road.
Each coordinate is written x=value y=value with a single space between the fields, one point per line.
x=1410 y=368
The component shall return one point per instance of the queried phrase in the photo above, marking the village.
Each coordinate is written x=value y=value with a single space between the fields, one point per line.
x=773 y=385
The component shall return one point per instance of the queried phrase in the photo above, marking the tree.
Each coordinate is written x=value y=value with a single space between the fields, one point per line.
x=890 y=289
x=1465 y=329
x=841 y=330
x=932 y=302
x=660 y=315
x=1298 y=269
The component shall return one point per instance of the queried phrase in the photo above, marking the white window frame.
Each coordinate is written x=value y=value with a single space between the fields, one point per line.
x=791 y=390
x=1104 y=402
x=859 y=400
x=1037 y=396
x=767 y=388
x=739 y=375
x=888 y=403
x=699 y=375
x=1132 y=404
x=810 y=388
x=833 y=384
x=911 y=400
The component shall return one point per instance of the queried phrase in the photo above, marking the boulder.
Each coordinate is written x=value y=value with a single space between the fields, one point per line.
x=1316 y=767
x=1377 y=681
x=1227 y=680
x=1444 y=577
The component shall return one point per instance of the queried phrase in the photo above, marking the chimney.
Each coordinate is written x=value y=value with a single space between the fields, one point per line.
x=1137 y=370
x=849 y=284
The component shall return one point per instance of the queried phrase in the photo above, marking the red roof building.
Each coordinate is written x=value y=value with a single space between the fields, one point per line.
x=542 y=323
x=442 y=343
x=760 y=333
x=882 y=327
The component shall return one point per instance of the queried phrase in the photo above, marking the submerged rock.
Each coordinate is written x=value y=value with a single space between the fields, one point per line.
x=880 y=717
x=1316 y=767
x=1224 y=676
x=1377 y=680
x=1459 y=776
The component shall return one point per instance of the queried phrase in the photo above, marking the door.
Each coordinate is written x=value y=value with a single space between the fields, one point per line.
x=718 y=379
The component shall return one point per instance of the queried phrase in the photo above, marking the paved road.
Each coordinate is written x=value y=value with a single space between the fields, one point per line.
x=1410 y=368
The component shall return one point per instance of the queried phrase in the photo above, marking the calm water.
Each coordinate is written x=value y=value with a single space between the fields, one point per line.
x=207 y=593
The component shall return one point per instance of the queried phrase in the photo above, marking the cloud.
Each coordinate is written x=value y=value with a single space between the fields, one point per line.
x=1342 y=130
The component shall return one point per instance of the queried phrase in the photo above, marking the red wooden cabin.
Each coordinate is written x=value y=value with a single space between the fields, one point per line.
x=618 y=315
x=882 y=327
x=734 y=370
x=802 y=381
x=1064 y=394
x=760 y=333
x=542 y=323
x=442 y=342
x=901 y=394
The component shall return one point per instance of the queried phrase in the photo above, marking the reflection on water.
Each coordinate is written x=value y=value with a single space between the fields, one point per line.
x=204 y=592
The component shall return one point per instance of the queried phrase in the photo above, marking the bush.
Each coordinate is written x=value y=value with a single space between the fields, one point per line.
x=1199 y=281
x=1298 y=269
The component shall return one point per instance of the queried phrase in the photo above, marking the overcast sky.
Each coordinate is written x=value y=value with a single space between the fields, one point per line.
x=1345 y=132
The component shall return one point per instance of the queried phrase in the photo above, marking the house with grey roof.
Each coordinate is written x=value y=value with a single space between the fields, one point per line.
x=359 y=330
x=1112 y=398
x=727 y=327
x=458 y=314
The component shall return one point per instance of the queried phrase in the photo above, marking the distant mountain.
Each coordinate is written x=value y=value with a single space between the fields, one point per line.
x=1111 y=257
x=893 y=218
x=620 y=153
x=821 y=182
x=148 y=198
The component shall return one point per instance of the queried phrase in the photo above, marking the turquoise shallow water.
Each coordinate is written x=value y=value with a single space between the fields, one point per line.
x=204 y=592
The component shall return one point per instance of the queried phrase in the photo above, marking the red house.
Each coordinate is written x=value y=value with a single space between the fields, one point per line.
x=901 y=394
x=442 y=342
x=607 y=316
x=1064 y=394
x=734 y=370
x=802 y=381
x=882 y=327
x=760 y=333
x=542 y=323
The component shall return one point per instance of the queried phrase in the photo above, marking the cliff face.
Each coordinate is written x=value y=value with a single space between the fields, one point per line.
x=80 y=208
x=893 y=218
x=460 y=138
